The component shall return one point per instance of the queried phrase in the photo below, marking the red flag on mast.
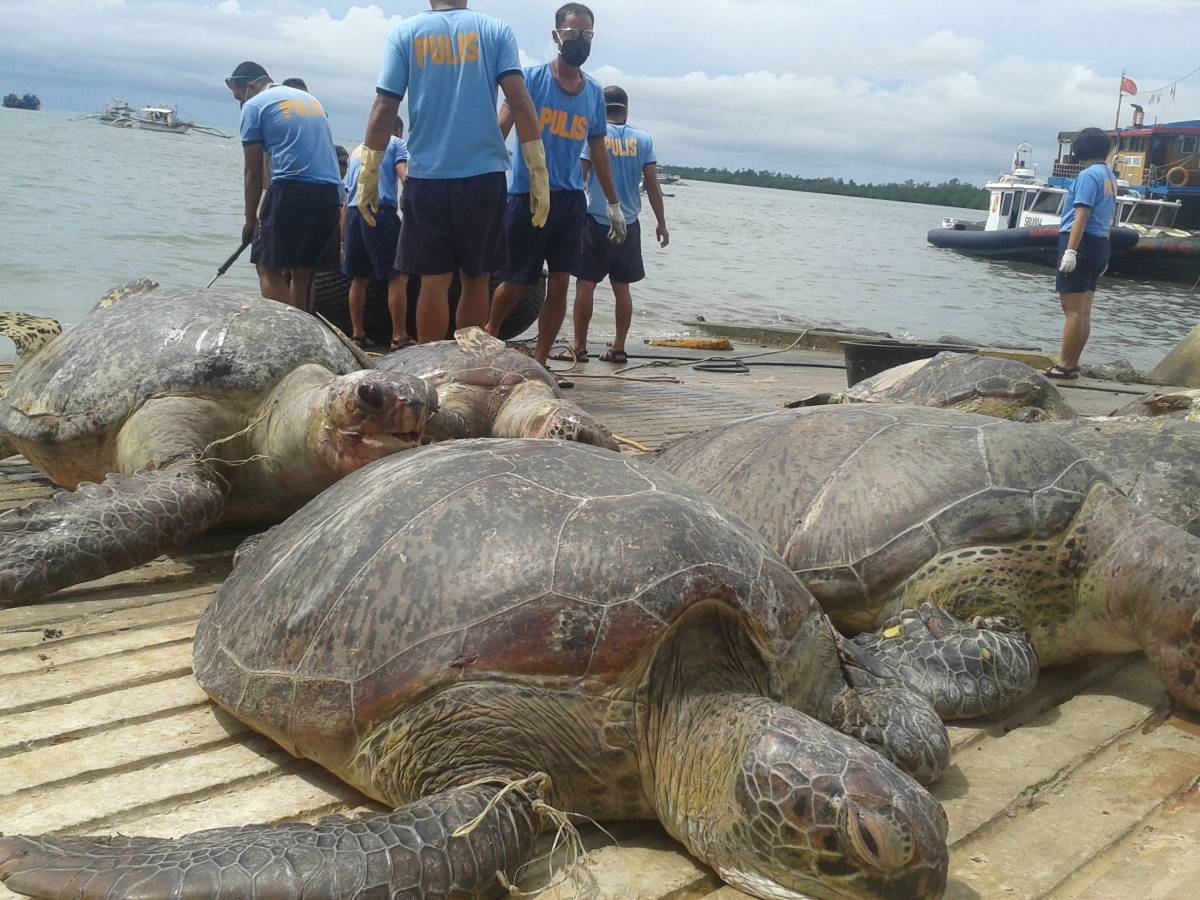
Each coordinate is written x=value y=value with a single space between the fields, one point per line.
x=1128 y=87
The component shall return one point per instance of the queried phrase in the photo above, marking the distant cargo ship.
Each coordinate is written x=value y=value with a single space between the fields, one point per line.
x=29 y=101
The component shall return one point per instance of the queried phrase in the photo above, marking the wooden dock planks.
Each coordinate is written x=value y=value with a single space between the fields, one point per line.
x=1087 y=789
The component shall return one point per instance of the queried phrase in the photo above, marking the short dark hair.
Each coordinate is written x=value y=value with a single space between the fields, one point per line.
x=1091 y=143
x=572 y=9
x=295 y=83
x=249 y=71
x=343 y=154
x=616 y=96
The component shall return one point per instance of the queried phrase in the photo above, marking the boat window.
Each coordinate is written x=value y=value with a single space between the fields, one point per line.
x=1047 y=202
x=1030 y=196
x=1166 y=216
x=1006 y=203
x=1140 y=214
x=1188 y=144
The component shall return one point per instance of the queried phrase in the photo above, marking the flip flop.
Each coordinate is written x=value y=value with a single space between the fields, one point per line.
x=1061 y=372
x=400 y=345
x=570 y=355
x=360 y=341
x=620 y=357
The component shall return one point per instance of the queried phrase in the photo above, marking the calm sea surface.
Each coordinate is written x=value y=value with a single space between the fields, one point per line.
x=85 y=207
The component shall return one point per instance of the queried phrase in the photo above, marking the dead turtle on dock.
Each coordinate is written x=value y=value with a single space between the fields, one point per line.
x=1181 y=404
x=1155 y=461
x=882 y=509
x=480 y=631
x=990 y=386
x=167 y=413
x=486 y=389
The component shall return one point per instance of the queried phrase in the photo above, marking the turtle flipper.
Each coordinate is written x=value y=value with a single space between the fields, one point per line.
x=476 y=341
x=529 y=413
x=964 y=670
x=99 y=529
x=431 y=848
x=135 y=288
x=29 y=333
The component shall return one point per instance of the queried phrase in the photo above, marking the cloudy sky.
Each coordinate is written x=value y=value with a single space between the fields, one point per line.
x=864 y=89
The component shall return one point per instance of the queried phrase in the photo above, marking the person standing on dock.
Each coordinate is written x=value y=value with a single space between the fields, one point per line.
x=298 y=225
x=633 y=161
x=370 y=250
x=449 y=61
x=571 y=116
x=1083 y=246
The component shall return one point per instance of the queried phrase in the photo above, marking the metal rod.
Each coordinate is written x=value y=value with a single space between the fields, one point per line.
x=229 y=262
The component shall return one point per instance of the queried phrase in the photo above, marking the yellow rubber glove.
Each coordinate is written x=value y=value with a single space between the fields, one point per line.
x=539 y=182
x=367 y=198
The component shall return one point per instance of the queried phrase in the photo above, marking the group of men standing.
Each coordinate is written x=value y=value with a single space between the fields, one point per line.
x=459 y=212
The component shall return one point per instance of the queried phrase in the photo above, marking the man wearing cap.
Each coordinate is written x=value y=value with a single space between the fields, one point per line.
x=449 y=61
x=298 y=225
x=631 y=155
x=571 y=116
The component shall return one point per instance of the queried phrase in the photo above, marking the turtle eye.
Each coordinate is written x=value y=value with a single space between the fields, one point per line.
x=370 y=396
x=878 y=841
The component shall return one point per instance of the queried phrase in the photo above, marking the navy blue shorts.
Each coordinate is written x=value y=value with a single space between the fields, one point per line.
x=559 y=245
x=604 y=259
x=451 y=224
x=299 y=226
x=1090 y=262
x=371 y=252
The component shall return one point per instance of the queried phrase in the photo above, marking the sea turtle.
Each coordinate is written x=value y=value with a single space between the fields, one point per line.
x=477 y=629
x=883 y=508
x=486 y=389
x=189 y=408
x=990 y=386
x=1181 y=404
x=1155 y=462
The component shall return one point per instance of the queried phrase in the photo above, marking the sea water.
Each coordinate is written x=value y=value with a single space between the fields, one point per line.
x=86 y=206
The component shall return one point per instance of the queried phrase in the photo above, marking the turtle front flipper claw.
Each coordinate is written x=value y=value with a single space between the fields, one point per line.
x=452 y=844
x=99 y=529
x=964 y=670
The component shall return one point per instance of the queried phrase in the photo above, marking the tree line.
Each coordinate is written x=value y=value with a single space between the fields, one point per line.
x=948 y=193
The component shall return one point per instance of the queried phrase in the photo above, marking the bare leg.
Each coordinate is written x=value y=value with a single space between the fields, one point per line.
x=397 y=308
x=358 y=305
x=1077 y=328
x=433 y=308
x=302 y=280
x=552 y=315
x=473 y=301
x=504 y=301
x=274 y=284
x=585 y=294
x=624 y=313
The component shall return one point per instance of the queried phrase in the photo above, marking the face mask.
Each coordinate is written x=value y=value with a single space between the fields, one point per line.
x=575 y=53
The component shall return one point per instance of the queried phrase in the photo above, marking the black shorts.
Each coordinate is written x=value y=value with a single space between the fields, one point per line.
x=558 y=245
x=604 y=259
x=1090 y=263
x=299 y=226
x=370 y=252
x=451 y=224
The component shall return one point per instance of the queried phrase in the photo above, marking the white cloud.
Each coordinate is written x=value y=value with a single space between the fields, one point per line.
x=850 y=88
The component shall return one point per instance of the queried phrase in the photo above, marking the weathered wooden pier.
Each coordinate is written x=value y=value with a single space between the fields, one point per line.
x=1090 y=788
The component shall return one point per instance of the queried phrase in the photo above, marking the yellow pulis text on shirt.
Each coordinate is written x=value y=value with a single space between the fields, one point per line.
x=291 y=108
x=555 y=120
x=444 y=50
x=622 y=147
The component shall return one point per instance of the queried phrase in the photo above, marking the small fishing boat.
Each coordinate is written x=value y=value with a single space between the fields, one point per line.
x=161 y=117
x=27 y=101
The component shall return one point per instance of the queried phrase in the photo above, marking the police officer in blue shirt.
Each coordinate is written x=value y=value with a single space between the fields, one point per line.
x=449 y=61
x=298 y=224
x=571 y=115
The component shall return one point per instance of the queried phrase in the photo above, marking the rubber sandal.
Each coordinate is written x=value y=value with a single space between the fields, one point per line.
x=570 y=355
x=620 y=357
x=564 y=384
x=1061 y=372
x=359 y=341
x=400 y=345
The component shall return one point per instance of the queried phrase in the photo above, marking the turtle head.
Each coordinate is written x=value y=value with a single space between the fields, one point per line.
x=370 y=414
x=817 y=814
x=563 y=420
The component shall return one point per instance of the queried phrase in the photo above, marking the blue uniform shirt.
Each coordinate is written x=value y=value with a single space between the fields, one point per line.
x=450 y=63
x=294 y=131
x=389 y=189
x=629 y=152
x=1094 y=187
x=566 y=122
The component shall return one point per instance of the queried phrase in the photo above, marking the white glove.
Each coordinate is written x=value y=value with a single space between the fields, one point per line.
x=616 y=224
x=1068 y=262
